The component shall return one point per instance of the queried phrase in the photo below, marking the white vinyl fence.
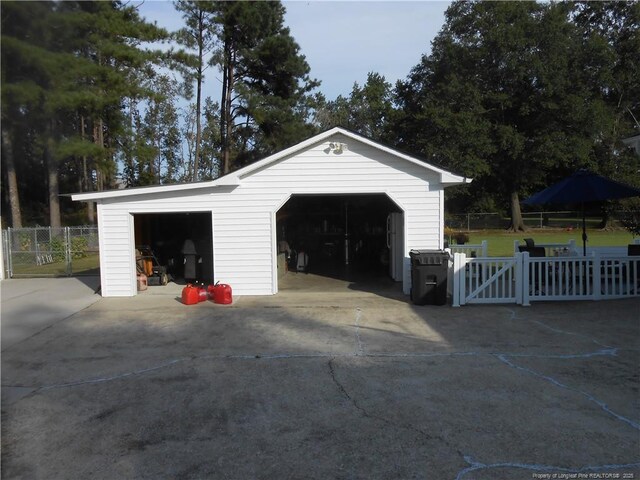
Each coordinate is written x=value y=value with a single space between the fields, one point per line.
x=521 y=279
x=480 y=250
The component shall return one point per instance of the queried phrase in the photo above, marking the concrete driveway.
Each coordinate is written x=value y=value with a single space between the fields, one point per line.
x=30 y=305
x=341 y=385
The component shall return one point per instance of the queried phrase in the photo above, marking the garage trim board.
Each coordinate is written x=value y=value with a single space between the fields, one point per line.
x=244 y=205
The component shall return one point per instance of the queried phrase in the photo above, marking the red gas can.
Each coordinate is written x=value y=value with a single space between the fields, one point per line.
x=222 y=294
x=203 y=295
x=190 y=295
x=210 y=289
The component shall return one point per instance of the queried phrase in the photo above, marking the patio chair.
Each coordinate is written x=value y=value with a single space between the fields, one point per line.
x=533 y=251
x=537 y=278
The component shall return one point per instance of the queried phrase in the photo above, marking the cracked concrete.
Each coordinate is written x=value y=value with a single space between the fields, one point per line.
x=353 y=385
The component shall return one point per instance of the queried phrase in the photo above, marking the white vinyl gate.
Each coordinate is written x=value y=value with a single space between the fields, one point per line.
x=486 y=280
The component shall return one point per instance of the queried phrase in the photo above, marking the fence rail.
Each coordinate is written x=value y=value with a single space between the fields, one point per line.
x=479 y=250
x=50 y=252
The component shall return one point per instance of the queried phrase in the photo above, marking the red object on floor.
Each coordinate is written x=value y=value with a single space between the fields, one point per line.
x=203 y=295
x=222 y=294
x=190 y=295
x=142 y=282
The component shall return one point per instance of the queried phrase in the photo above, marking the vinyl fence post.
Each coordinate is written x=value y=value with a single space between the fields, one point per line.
x=597 y=280
x=455 y=298
x=524 y=278
x=485 y=249
x=516 y=278
x=459 y=262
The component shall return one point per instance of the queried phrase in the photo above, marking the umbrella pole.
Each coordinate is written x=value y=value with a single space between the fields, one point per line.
x=584 y=233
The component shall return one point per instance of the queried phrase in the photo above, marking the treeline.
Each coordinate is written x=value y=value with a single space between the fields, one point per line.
x=88 y=104
x=513 y=94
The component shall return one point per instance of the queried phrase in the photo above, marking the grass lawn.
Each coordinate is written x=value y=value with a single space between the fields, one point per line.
x=89 y=265
x=500 y=242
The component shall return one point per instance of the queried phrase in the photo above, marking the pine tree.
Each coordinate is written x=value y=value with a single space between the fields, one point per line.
x=159 y=131
x=368 y=110
x=24 y=80
x=198 y=35
x=265 y=84
x=68 y=67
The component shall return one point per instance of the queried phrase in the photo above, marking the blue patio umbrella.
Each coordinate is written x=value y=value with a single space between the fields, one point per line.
x=582 y=187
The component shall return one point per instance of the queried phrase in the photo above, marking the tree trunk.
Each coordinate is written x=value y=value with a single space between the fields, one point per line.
x=229 y=123
x=225 y=113
x=130 y=180
x=98 y=139
x=223 y=140
x=52 y=180
x=517 y=224
x=85 y=177
x=9 y=165
x=196 y=160
x=607 y=223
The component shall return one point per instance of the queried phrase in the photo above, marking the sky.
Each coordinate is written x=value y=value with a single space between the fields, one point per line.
x=343 y=41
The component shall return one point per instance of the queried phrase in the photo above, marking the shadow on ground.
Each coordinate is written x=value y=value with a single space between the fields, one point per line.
x=334 y=385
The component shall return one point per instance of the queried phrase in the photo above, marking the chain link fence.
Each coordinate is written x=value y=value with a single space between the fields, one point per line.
x=50 y=252
x=488 y=221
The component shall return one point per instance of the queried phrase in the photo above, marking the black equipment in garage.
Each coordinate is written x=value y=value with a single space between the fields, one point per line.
x=147 y=263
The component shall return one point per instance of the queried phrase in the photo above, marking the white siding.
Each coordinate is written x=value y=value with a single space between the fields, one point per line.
x=117 y=268
x=242 y=217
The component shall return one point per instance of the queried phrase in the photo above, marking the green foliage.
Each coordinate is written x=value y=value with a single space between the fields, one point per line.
x=513 y=94
x=79 y=247
x=265 y=97
x=631 y=216
x=25 y=241
x=519 y=94
x=66 y=69
x=198 y=35
x=58 y=249
x=368 y=110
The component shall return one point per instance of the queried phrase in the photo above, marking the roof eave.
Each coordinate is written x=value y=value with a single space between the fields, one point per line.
x=230 y=180
x=449 y=180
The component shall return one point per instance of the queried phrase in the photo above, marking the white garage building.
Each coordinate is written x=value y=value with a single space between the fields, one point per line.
x=326 y=195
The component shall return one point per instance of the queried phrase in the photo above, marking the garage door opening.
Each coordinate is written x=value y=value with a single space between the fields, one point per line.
x=182 y=242
x=358 y=238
